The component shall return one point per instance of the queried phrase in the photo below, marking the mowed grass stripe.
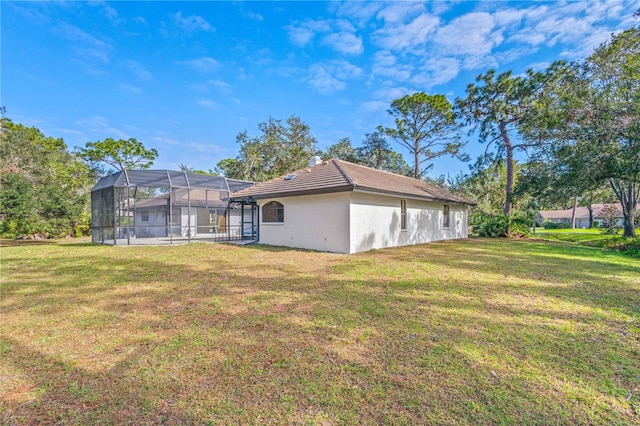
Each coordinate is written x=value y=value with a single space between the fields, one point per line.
x=460 y=332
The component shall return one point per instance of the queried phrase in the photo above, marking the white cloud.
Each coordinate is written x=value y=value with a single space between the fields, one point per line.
x=508 y=17
x=300 y=36
x=359 y=11
x=385 y=64
x=339 y=35
x=139 y=70
x=165 y=140
x=301 y=33
x=87 y=45
x=101 y=128
x=255 y=16
x=208 y=103
x=437 y=71
x=129 y=88
x=191 y=23
x=330 y=77
x=528 y=36
x=399 y=12
x=219 y=85
x=391 y=93
x=578 y=27
x=406 y=36
x=204 y=64
x=470 y=34
x=510 y=55
x=107 y=10
x=344 y=42
x=374 y=106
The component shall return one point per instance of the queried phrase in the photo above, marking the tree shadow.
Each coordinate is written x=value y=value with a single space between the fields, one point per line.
x=271 y=334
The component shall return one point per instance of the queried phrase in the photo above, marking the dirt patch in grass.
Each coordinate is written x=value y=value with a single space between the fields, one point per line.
x=466 y=332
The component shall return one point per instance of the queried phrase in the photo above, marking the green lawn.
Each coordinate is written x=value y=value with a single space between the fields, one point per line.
x=574 y=235
x=475 y=331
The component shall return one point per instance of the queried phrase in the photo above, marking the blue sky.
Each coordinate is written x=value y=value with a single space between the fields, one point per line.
x=187 y=77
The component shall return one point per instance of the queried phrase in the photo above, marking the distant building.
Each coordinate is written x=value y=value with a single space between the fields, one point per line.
x=582 y=215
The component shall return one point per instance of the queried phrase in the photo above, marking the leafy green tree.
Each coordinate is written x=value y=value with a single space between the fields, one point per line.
x=426 y=125
x=608 y=123
x=497 y=107
x=595 y=124
x=231 y=168
x=342 y=150
x=185 y=168
x=118 y=154
x=280 y=149
x=43 y=187
x=376 y=152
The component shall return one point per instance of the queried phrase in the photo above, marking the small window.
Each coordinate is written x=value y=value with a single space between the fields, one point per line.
x=144 y=216
x=445 y=216
x=273 y=211
x=403 y=214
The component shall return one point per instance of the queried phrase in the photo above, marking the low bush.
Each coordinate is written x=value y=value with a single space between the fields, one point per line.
x=500 y=226
x=554 y=225
x=609 y=222
x=625 y=245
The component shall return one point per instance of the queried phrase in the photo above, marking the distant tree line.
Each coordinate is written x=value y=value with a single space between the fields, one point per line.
x=578 y=124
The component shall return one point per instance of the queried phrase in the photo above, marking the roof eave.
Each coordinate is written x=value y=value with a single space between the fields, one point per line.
x=413 y=196
x=284 y=194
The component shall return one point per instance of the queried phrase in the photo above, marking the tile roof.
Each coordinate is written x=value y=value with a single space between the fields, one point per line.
x=581 y=212
x=338 y=176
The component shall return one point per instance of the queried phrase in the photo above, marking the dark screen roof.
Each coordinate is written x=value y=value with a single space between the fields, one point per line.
x=169 y=179
x=337 y=176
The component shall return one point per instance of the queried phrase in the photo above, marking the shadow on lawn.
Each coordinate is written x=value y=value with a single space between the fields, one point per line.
x=68 y=394
x=230 y=334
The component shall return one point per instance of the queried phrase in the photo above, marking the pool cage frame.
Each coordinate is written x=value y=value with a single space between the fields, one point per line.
x=135 y=207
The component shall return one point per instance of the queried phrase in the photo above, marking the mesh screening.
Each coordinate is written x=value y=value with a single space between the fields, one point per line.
x=166 y=207
x=164 y=178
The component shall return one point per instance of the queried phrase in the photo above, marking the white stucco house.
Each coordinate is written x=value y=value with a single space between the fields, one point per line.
x=341 y=207
x=581 y=215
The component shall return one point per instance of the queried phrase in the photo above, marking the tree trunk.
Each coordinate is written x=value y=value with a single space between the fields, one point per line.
x=573 y=212
x=416 y=159
x=509 y=190
x=629 y=210
x=590 y=208
x=627 y=194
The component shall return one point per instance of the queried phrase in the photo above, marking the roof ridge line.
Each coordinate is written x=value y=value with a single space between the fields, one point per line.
x=345 y=173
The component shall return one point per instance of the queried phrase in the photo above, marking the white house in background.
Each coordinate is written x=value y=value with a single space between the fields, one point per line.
x=582 y=215
x=341 y=207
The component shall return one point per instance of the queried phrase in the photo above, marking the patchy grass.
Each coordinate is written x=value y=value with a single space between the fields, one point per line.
x=578 y=235
x=476 y=331
x=593 y=238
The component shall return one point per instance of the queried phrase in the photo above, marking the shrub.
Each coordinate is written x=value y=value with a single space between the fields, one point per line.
x=609 y=216
x=515 y=226
x=493 y=226
x=625 y=245
x=554 y=225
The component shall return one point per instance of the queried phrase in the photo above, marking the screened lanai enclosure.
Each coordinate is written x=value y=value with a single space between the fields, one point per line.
x=167 y=207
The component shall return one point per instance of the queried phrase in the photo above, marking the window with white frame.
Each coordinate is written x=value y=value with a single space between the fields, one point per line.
x=446 y=217
x=273 y=212
x=403 y=215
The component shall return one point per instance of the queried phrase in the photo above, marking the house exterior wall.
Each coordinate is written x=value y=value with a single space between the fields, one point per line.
x=316 y=222
x=352 y=222
x=376 y=221
x=156 y=226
